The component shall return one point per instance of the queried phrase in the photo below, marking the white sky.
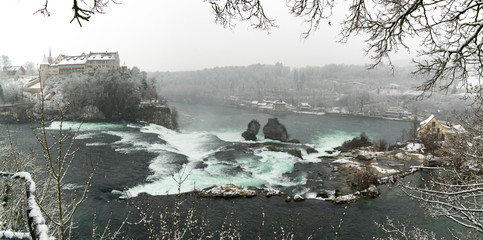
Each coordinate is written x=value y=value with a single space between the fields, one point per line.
x=171 y=35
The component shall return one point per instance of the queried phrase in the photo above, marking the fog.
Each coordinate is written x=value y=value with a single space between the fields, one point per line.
x=175 y=36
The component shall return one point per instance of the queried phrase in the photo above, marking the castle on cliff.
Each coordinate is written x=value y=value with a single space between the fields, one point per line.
x=83 y=63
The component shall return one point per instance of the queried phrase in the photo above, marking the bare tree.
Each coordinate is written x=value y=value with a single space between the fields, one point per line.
x=13 y=203
x=82 y=10
x=6 y=63
x=456 y=191
x=393 y=230
x=450 y=31
x=58 y=152
x=30 y=68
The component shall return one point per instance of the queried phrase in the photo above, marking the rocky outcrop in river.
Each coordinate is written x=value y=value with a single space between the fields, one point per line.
x=251 y=133
x=157 y=114
x=275 y=130
x=227 y=191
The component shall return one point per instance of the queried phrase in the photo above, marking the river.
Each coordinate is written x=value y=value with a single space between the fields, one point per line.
x=143 y=158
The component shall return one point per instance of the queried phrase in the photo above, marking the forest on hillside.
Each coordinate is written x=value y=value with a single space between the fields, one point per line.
x=355 y=88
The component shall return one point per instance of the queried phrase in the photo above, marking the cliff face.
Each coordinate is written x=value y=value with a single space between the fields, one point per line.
x=156 y=114
x=160 y=115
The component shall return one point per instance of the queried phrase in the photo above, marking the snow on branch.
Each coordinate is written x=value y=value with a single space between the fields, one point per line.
x=36 y=222
x=14 y=235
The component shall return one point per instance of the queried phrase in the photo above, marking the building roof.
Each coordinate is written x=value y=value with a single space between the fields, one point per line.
x=13 y=68
x=427 y=120
x=45 y=60
x=423 y=123
x=102 y=56
x=457 y=129
x=72 y=60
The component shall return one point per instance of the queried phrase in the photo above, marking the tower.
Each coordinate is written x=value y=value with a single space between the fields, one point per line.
x=44 y=71
x=51 y=59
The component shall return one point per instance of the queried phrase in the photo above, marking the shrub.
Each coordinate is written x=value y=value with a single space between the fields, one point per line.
x=365 y=178
x=382 y=145
x=357 y=142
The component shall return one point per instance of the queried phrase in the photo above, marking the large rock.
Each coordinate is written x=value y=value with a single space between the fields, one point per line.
x=345 y=199
x=311 y=150
x=295 y=153
x=371 y=191
x=275 y=130
x=251 y=133
x=157 y=114
x=227 y=191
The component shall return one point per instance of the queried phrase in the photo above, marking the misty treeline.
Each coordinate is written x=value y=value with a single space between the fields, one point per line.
x=11 y=82
x=11 y=92
x=106 y=94
x=355 y=88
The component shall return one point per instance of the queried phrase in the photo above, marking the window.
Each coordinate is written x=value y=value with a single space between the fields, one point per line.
x=434 y=124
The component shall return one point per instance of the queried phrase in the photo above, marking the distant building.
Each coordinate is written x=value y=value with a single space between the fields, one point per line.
x=279 y=105
x=396 y=113
x=85 y=63
x=103 y=60
x=14 y=71
x=304 y=107
x=64 y=64
x=432 y=127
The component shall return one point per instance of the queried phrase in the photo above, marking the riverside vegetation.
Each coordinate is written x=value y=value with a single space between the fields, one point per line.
x=105 y=95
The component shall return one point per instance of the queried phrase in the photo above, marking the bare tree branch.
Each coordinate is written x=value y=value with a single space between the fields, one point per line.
x=82 y=10
x=456 y=191
x=450 y=32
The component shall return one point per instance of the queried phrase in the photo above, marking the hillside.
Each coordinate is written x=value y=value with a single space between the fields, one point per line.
x=353 y=88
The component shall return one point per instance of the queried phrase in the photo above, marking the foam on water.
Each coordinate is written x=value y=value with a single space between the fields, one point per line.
x=96 y=144
x=323 y=142
x=229 y=135
x=193 y=155
x=86 y=135
x=195 y=145
x=266 y=169
x=334 y=138
x=271 y=167
x=263 y=168
x=129 y=142
x=84 y=126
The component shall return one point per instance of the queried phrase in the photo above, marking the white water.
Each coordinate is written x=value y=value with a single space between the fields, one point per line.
x=80 y=126
x=263 y=168
x=260 y=168
x=191 y=157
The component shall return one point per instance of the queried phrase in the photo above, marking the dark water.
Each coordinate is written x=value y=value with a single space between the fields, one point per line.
x=135 y=156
